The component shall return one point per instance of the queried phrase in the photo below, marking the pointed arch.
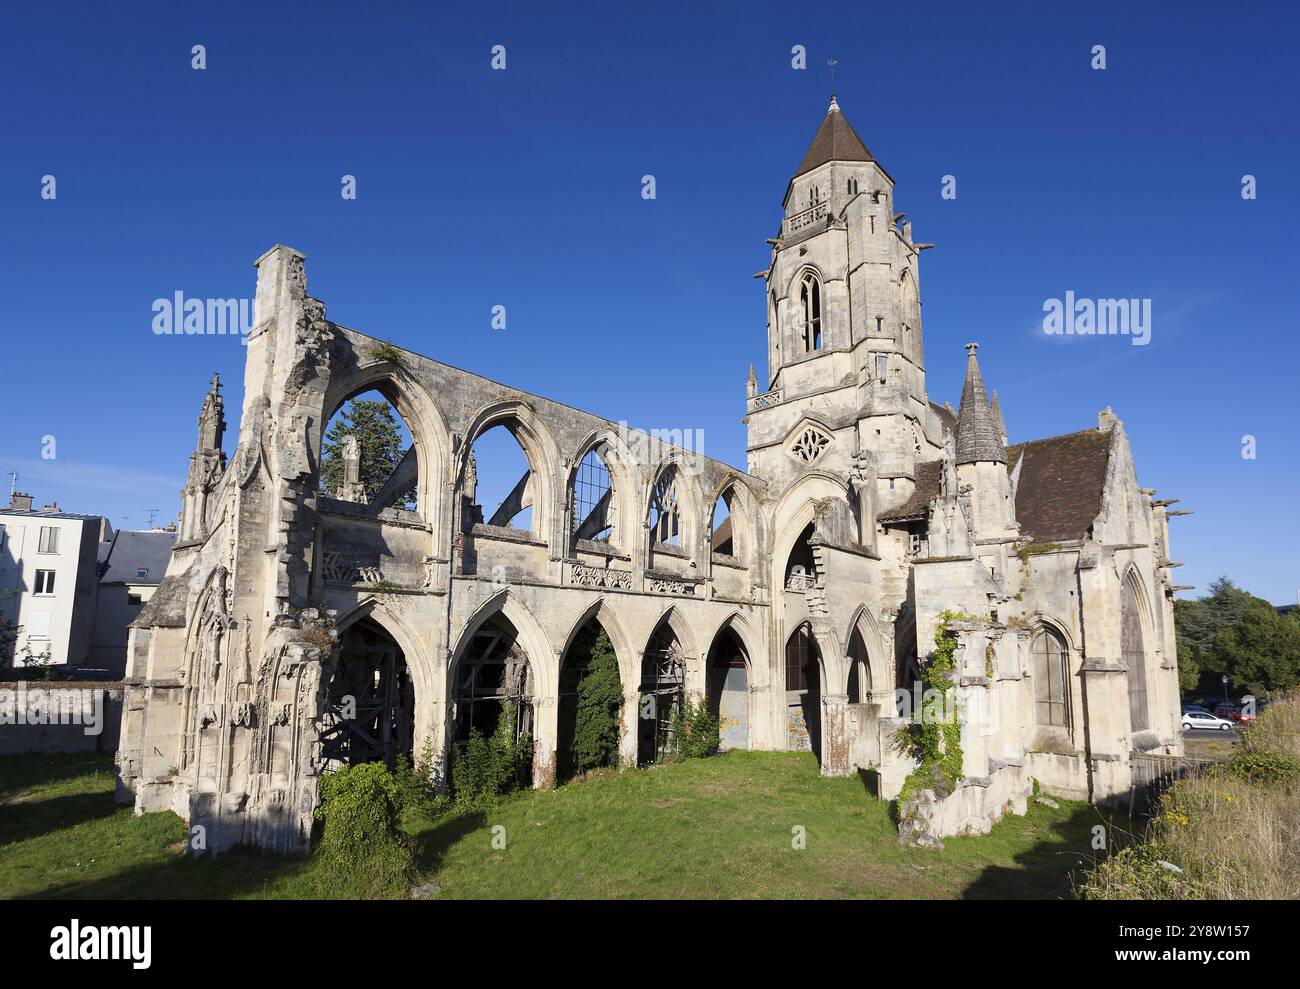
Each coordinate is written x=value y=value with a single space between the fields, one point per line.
x=673 y=489
x=541 y=654
x=620 y=513
x=1135 y=634
x=602 y=612
x=430 y=435
x=535 y=439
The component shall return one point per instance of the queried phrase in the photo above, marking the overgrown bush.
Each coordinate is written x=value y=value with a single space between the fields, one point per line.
x=595 y=711
x=698 y=731
x=362 y=849
x=490 y=767
x=1264 y=768
x=1226 y=835
x=417 y=784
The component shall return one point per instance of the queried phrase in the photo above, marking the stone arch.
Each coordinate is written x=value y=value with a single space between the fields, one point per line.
x=668 y=662
x=729 y=686
x=1049 y=657
x=910 y=311
x=597 y=615
x=619 y=463
x=804 y=673
x=429 y=432
x=534 y=438
x=742 y=510
x=378 y=700
x=1135 y=634
x=602 y=611
x=874 y=679
x=689 y=501
x=541 y=654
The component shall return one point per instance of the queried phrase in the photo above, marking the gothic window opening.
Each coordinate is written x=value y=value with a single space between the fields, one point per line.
x=665 y=510
x=662 y=691
x=368 y=456
x=803 y=691
x=1133 y=649
x=722 y=539
x=593 y=499
x=810 y=301
x=859 y=689
x=800 y=565
x=498 y=479
x=493 y=677
x=727 y=692
x=853 y=187
x=370 y=711
x=1051 y=693
x=590 y=704
x=809 y=444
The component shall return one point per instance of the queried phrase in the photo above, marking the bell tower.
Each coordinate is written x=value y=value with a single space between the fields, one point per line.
x=845 y=387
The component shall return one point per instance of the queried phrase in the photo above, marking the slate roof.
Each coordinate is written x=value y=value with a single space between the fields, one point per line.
x=1061 y=481
x=131 y=551
x=1059 y=492
x=927 y=479
x=835 y=140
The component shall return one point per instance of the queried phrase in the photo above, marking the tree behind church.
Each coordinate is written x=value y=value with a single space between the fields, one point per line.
x=379 y=439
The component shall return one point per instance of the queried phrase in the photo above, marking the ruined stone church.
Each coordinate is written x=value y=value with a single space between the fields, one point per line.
x=302 y=627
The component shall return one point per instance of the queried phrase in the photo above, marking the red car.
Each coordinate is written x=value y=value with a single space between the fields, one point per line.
x=1233 y=712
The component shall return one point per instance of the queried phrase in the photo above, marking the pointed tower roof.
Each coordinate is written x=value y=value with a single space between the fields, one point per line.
x=835 y=140
x=998 y=421
x=978 y=437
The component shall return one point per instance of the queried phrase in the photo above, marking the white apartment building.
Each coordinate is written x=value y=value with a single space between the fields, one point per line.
x=48 y=581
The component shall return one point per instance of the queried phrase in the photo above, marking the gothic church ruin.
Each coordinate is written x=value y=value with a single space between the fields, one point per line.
x=295 y=632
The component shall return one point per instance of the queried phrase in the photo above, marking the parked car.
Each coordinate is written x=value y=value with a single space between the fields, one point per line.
x=1205 y=720
x=1196 y=707
x=1233 y=712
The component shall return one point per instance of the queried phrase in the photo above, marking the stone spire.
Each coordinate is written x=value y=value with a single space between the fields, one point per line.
x=751 y=385
x=835 y=140
x=978 y=437
x=212 y=417
x=997 y=418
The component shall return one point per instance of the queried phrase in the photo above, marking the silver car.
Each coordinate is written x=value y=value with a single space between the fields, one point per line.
x=1205 y=720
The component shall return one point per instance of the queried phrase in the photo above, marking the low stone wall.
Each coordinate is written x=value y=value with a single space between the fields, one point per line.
x=78 y=716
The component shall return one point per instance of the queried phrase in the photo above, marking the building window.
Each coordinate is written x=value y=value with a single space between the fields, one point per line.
x=44 y=582
x=810 y=299
x=914 y=542
x=810 y=444
x=853 y=187
x=882 y=366
x=1050 y=698
x=800 y=660
x=142 y=573
x=49 y=542
x=134 y=599
x=665 y=513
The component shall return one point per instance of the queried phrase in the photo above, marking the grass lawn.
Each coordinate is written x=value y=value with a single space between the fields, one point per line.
x=719 y=827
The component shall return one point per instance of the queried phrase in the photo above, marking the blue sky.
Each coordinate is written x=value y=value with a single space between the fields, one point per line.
x=521 y=188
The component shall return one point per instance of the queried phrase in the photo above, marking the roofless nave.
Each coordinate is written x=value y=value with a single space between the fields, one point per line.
x=866 y=511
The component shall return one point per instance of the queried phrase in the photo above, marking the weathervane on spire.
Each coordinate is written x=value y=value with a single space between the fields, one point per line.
x=832 y=62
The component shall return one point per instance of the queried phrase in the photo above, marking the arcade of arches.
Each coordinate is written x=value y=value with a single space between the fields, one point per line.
x=519 y=548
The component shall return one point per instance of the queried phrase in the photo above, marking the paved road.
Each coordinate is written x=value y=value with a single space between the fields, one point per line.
x=1211 y=734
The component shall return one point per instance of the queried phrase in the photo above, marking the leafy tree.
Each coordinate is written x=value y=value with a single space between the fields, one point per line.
x=1230 y=631
x=379 y=438
x=1261 y=650
x=599 y=703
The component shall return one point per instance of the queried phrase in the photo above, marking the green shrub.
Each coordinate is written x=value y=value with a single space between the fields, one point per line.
x=490 y=767
x=1263 y=767
x=597 y=716
x=362 y=849
x=699 y=731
